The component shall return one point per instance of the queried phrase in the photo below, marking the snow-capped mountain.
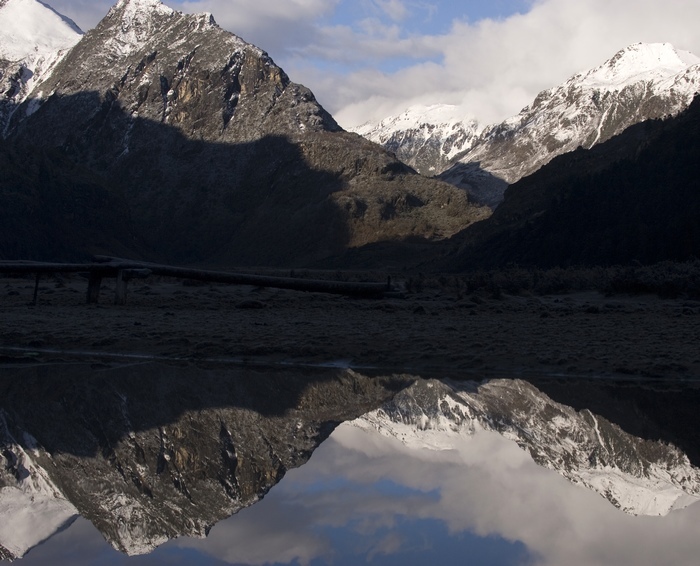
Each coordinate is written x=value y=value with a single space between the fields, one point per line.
x=425 y=137
x=210 y=150
x=640 y=477
x=32 y=506
x=148 y=454
x=33 y=38
x=641 y=82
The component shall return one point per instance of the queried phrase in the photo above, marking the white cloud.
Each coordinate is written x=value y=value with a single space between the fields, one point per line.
x=272 y=25
x=395 y=9
x=494 y=68
x=485 y=485
x=372 y=66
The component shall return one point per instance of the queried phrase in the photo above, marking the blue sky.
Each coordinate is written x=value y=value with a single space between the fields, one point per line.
x=368 y=59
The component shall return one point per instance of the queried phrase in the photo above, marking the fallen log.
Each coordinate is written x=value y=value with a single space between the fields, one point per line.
x=308 y=285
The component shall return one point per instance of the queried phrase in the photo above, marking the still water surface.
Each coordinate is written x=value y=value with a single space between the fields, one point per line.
x=415 y=473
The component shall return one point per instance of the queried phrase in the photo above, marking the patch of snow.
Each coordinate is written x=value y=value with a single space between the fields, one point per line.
x=34 y=508
x=640 y=62
x=31 y=30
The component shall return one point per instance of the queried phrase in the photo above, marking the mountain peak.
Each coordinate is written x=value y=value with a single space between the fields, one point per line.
x=31 y=29
x=640 y=61
x=141 y=5
x=128 y=10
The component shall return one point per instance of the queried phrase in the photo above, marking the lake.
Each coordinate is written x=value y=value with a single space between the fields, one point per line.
x=156 y=463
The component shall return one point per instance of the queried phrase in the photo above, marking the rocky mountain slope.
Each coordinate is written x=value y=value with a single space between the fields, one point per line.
x=214 y=153
x=425 y=137
x=148 y=453
x=640 y=477
x=33 y=38
x=633 y=198
x=641 y=82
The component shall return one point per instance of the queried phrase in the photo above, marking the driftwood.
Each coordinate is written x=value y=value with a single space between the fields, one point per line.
x=295 y=284
x=123 y=270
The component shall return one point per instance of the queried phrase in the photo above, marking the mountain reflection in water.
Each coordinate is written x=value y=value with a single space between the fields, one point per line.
x=419 y=470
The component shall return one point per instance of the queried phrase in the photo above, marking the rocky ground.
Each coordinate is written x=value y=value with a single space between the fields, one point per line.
x=434 y=332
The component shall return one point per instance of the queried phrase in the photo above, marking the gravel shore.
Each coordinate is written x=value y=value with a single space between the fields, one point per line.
x=433 y=333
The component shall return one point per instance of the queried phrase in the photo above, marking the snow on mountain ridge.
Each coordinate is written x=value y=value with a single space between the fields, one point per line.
x=33 y=40
x=425 y=137
x=418 y=115
x=30 y=29
x=35 y=504
x=642 y=61
x=639 y=83
x=637 y=476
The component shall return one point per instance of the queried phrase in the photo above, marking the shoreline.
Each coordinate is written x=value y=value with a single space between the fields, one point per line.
x=582 y=334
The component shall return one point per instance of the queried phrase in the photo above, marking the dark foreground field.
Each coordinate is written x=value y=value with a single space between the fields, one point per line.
x=434 y=329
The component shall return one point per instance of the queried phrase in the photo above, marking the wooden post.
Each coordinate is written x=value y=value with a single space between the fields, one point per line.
x=120 y=290
x=36 y=288
x=94 y=283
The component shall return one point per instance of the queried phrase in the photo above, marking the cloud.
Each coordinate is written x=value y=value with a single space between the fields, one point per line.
x=484 y=484
x=494 y=67
x=274 y=26
x=395 y=9
x=370 y=59
x=359 y=494
x=85 y=13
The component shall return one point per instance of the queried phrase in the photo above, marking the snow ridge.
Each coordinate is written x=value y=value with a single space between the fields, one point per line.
x=425 y=137
x=640 y=82
x=33 y=40
x=30 y=30
x=637 y=476
x=37 y=507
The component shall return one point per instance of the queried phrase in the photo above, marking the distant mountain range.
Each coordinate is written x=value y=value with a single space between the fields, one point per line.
x=641 y=82
x=190 y=145
x=638 y=476
x=428 y=138
x=161 y=136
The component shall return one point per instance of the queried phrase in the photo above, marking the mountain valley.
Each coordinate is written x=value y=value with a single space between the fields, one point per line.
x=640 y=82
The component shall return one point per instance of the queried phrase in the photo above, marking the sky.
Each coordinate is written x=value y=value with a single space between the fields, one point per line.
x=369 y=59
x=367 y=498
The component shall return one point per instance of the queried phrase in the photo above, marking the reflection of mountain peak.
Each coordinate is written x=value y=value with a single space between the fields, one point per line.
x=32 y=507
x=641 y=477
x=150 y=453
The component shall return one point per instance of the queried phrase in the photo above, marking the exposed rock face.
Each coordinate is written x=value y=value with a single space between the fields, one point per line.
x=425 y=137
x=217 y=155
x=640 y=477
x=641 y=82
x=149 y=453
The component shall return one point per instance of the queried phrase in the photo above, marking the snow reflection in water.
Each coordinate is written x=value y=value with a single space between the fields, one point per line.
x=437 y=476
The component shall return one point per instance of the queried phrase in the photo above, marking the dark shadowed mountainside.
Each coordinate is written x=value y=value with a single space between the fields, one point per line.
x=634 y=197
x=203 y=150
